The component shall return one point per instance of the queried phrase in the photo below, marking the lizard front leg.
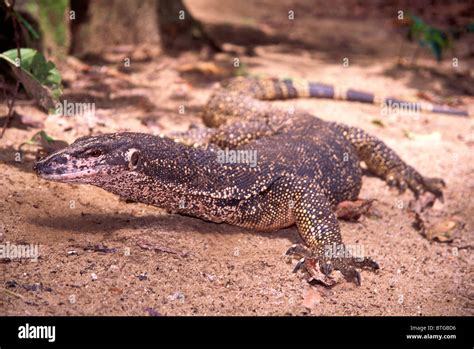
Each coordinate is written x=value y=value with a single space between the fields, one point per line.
x=320 y=231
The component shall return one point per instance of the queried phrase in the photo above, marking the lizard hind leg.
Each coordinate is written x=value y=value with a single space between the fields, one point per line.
x=386 y=164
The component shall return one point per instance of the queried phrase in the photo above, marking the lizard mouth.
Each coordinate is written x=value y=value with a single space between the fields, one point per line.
x=67 y=176
x=63 y=172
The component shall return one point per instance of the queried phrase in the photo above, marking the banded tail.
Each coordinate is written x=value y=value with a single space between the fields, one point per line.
x=273 y=89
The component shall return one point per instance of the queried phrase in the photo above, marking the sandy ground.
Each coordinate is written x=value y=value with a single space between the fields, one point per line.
x=102 y=256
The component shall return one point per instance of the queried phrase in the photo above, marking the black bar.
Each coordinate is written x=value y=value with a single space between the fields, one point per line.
x=166 y=331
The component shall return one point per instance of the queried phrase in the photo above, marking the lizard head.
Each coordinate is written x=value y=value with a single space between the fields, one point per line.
x=135 y=166
x=95 y=159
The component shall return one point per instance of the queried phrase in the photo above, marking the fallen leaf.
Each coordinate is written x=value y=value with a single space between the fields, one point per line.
x=206 y=68
x=378 y=122
x=352 y=210
x=430 y=137
x=443 y=231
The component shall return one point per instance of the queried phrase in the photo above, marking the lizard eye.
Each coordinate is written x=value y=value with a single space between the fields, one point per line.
x=95 y=153
x=134 y=159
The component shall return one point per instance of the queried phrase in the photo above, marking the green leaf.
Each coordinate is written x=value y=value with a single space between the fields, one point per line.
x=45 y=142
x=428 y=36
x=40 y=78
x=46 y=137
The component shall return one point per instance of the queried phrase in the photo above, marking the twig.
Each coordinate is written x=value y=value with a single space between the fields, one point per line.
x=160 y=248
x=11 y=293
x=400 y=52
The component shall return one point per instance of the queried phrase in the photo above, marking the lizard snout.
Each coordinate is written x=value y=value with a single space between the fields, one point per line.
x=55 y=164
x=43 y=167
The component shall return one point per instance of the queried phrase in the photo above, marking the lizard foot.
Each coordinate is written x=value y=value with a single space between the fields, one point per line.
x=345 y=264
x=434 y=186
x=418 y=184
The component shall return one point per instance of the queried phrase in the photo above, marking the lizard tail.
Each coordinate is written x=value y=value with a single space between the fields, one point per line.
x=276 y=89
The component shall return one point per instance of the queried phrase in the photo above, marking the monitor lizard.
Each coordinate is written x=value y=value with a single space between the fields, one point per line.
x=304 y=167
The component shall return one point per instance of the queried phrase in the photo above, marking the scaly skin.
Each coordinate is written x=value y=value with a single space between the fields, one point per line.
x=304 y=167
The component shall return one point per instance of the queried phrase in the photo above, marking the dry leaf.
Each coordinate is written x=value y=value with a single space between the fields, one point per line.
x=206 y=68
x=352 y=210
x=378 y=122
x=443 y=231
x=430 y=137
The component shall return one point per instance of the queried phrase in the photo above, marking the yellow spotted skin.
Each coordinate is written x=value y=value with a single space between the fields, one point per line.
x=302 y=168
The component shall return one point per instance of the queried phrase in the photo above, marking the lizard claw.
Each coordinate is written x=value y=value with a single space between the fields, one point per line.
x=365 y=263
x=434 y=186
x=409 y=178
x=298 y=251
x=300 y=265
x=346 y=265
x=351 y=275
